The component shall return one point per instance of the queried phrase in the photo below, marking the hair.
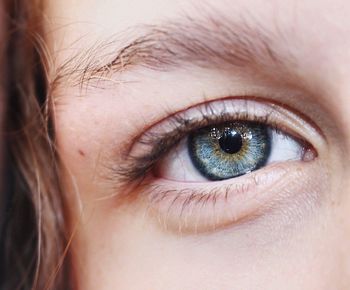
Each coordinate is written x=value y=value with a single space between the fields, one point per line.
x=34 y=237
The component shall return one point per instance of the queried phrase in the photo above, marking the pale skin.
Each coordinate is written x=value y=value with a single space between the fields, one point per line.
x=283 y=226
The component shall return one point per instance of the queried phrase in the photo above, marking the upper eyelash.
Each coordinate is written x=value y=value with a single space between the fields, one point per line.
x=137 y=167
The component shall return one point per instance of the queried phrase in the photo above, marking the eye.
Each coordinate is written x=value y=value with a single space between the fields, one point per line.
x=218 y=163
x=228 y=150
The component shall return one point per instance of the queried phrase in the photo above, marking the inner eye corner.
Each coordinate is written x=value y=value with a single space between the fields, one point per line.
x=309 y=152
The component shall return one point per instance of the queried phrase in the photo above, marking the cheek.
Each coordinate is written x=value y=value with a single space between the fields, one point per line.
x=135 y=255
x=123 y=247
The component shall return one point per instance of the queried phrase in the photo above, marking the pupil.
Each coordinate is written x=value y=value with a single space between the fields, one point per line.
x=231 y=142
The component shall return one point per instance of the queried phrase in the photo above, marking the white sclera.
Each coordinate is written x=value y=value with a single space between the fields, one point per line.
x=177 y=165
x=284 y=148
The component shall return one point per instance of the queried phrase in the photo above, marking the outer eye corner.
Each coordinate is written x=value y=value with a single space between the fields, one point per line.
x=309 y=153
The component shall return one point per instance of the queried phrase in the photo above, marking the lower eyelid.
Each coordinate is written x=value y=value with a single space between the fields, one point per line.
x=203 y=207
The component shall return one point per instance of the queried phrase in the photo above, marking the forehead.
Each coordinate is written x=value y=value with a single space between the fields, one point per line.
x=309 y=25
x=95 y=17
x=316 y=32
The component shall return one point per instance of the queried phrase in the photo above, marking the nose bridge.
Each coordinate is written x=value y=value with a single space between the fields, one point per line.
x=334 y=83
x=323 y=68
x=337 y=91
x=341 y=210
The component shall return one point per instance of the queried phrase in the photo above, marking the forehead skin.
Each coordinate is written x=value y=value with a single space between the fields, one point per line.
x=315 y=31
x=118 y=247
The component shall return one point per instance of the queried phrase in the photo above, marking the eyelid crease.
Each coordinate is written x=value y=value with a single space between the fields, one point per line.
x=163 y=136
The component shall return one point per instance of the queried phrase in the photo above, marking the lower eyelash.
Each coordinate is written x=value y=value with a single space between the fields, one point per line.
x=201 y=207
x=183 y=201
x=192 y=197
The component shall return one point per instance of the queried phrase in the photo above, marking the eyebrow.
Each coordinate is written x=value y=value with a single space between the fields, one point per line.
x=210 y=42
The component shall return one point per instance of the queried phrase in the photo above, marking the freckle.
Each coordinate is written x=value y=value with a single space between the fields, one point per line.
x=81 y=152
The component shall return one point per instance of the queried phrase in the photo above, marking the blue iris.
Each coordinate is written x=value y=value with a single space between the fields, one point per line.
x=229 y=149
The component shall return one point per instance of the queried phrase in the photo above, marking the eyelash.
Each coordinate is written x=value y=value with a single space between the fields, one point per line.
x=199 y=207
x=160 y=143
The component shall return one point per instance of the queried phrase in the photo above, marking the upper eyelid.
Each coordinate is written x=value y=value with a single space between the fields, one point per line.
x=205 y=109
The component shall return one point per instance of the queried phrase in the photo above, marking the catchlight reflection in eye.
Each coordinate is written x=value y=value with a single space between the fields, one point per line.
x=229 y=150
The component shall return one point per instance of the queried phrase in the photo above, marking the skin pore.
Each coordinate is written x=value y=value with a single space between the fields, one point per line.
x=127 y=74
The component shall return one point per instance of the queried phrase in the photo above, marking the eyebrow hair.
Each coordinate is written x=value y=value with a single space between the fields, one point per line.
x=210 y=42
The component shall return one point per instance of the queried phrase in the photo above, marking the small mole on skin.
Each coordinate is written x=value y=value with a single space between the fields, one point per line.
x=81 y=152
